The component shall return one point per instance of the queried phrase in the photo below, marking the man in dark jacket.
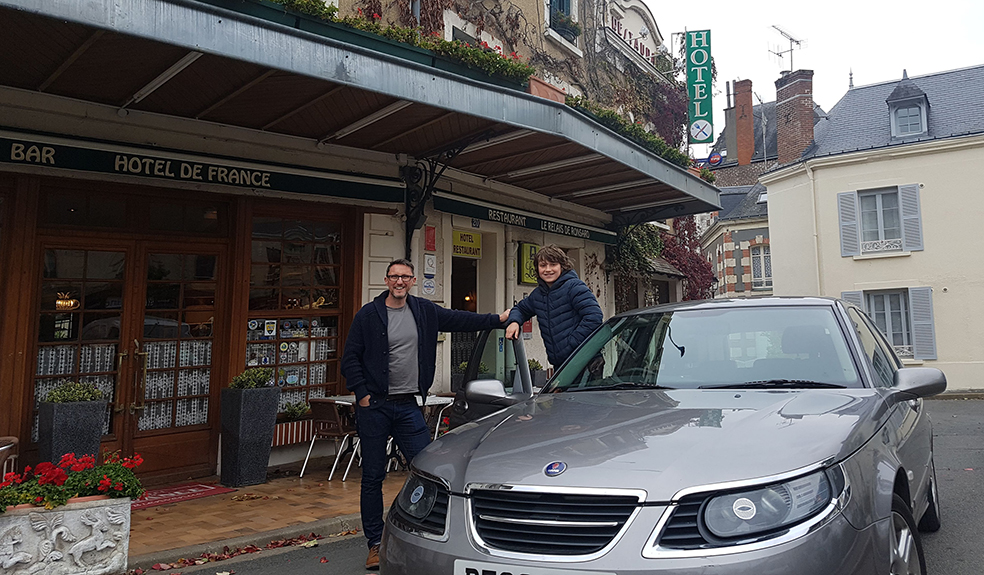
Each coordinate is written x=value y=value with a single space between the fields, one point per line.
x=564 y=306
x=389 y=359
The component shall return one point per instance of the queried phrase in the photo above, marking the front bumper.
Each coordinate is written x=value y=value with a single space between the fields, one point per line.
x=833 y=547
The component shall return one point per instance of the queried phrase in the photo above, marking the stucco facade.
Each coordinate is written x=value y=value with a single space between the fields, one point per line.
x=807 y=255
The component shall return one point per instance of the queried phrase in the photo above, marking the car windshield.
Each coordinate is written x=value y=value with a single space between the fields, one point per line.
x=751 y=347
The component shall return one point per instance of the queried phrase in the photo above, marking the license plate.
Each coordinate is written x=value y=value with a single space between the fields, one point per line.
x=466 y=567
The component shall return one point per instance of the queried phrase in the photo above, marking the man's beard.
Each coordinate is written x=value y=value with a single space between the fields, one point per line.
x=395 y=296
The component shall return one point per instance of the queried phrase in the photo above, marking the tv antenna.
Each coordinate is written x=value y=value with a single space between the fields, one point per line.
x=793 y=44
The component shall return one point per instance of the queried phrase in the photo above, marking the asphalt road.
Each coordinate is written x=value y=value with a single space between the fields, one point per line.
x=955 y=550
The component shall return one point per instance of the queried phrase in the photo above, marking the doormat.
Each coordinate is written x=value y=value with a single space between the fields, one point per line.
x=176 y=493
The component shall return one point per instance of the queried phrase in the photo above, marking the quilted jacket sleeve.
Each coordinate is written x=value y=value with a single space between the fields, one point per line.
x=587 y=310
x=522 y=311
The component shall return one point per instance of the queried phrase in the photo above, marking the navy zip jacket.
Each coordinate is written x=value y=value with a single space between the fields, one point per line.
x=567 y=313
x=365 y=363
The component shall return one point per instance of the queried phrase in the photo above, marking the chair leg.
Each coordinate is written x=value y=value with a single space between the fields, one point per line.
x=338 y=456
x=355 y=451
x=314 y=438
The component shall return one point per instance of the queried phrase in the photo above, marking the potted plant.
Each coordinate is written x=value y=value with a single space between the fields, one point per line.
x=75 y=513
x=537 y=373
x=565 y=25
x=249 y=413
x=70 y=420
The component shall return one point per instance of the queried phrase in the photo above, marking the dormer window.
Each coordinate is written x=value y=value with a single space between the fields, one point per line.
x=908 y=108
x=908 y=121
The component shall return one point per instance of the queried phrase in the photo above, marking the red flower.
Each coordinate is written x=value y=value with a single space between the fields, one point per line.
x=105 y=483
x=67 y=460
x=38 y=499
x=118 y=487
x=52 y=475
x=376 y=16
x=359 y=10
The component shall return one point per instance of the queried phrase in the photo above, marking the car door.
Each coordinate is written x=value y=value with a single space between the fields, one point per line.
x=492 y=357
x=908 y=426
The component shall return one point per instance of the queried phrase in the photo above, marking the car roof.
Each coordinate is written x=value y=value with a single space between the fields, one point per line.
x=734 y=303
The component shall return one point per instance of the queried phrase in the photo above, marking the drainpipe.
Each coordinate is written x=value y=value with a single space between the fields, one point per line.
x=415 y=9
x=510 y=267
x=816 y=228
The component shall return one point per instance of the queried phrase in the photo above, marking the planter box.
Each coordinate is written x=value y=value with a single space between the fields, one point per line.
x=74 y=427
x=248 y=418
x=542 y=89
x=88 y=535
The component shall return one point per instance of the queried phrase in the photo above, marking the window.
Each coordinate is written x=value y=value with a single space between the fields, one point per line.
x=883 y=366
x=890 y=312
x=761 y=267
x=905 y=318
x=882 y=220
x=562 y=20
x=908 y=120
x=881 y=229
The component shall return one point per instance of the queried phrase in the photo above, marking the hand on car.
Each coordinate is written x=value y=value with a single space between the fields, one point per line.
x=512 y=331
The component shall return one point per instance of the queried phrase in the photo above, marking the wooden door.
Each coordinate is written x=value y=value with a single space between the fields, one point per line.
x=140 y=320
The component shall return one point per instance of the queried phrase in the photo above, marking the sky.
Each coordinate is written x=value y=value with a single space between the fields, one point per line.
x=876 y=39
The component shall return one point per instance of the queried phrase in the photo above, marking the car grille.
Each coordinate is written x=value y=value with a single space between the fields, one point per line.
x=435 y=522
x=681 y=531
x=549 y=523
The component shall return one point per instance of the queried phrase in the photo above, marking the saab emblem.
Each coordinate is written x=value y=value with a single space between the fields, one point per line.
x=554 y=469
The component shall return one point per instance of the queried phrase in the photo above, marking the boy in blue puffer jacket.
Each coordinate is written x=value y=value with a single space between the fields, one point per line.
x=566 y=309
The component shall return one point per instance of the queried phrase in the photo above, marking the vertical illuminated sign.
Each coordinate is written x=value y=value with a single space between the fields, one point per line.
x=701 y=126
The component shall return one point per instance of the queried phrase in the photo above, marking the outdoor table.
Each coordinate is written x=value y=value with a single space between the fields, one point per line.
x=436 y=401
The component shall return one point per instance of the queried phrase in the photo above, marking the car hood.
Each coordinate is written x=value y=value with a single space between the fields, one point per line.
x=659 y=441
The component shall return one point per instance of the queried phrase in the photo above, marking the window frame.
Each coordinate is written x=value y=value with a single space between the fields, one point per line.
x=894 y=110
x=763 y=282
x=882 y=242
x=906 y=332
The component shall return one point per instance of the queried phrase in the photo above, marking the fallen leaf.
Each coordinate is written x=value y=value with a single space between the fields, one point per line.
x=324 y=559
x=223 y=573
x=312 y=543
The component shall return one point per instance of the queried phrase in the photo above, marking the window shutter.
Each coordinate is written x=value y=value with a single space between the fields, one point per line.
x=847 y=213
x=912 y=237
x=921 y=320
x=855 y=297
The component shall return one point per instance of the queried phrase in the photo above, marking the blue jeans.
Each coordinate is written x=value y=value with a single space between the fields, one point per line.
x=403 y=421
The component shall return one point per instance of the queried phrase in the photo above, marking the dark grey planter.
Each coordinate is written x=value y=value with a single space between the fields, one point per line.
x=74 y=427
x=248 y=418
x=539 y=377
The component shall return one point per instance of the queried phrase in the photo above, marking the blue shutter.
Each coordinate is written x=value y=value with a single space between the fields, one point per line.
x=855 y=297
x=912 y=236
x=847 y=214
x=921 y=320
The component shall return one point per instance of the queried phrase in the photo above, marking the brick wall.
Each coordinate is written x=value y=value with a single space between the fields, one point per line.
x=794 y=114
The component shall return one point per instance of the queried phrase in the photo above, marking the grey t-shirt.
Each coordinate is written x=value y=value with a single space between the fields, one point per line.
x=403 y=351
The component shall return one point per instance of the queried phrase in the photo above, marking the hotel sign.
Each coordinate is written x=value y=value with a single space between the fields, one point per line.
x=466 y=244
x=78 y=155
x=701 y=128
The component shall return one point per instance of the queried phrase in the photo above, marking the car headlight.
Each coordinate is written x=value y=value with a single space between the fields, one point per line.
x=417 y=497
x=767 y=508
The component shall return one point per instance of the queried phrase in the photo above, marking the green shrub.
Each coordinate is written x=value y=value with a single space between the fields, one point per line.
x=253 y=378
x=295 y=411
x=71 y=391
x=534 y=364
x=482 y=368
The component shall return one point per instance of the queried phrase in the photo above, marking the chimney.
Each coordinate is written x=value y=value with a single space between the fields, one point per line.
x=794 y=114
x=744 y=122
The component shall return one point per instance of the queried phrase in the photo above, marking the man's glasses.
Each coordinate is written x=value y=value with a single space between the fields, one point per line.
x=398 y=278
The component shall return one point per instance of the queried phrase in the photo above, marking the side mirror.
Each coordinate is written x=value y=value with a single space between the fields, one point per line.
x=919 y=382
x=485 y=391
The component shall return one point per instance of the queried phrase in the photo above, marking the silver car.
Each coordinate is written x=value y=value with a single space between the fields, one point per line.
x=767 y=437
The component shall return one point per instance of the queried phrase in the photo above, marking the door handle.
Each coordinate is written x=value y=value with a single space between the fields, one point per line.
x=119 y=373
x=141 y=399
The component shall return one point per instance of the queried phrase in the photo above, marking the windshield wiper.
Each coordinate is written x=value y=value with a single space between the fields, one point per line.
x=775 y=383
x=619 y=386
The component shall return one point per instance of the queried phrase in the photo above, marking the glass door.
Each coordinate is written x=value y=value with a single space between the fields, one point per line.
x=174 y=387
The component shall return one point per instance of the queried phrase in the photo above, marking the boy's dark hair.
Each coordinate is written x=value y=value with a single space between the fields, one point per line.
x=400 y=262
x=554 y=255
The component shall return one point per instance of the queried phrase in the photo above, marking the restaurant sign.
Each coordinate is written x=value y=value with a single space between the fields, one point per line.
x=452 y=204
x=699 y=86
x=70 y=154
